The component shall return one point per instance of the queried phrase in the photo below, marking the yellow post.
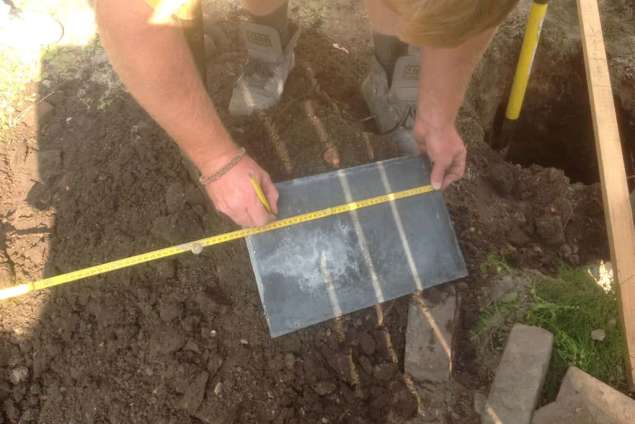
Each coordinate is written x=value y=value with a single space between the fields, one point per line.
x=526 y=58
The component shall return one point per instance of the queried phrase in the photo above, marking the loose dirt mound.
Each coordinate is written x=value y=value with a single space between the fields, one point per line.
x=184 y=340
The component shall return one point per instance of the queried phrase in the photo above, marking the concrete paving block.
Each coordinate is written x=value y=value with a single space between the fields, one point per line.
x=570 y=410
x=431 y=322
x=519 y=377
x=603 y=401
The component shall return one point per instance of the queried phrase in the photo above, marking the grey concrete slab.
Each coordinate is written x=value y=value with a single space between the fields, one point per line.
x=315 y=271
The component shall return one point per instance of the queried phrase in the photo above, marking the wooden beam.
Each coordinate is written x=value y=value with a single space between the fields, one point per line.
x=617 y=207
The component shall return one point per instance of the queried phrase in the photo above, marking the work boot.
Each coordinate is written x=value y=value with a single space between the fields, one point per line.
x=394 y=105
x=268 y=65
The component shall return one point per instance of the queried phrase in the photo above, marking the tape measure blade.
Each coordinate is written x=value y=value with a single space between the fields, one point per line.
x=107 y=267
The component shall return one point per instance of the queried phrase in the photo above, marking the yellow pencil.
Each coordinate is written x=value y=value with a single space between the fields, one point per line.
x=261 y=195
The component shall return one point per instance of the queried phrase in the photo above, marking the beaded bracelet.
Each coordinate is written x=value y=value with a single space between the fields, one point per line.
x=224 y=170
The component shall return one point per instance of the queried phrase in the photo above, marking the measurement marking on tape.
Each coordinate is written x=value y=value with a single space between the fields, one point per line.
x=196 y=246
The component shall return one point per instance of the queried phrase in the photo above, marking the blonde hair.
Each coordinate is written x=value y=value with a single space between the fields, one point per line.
x=448 y=23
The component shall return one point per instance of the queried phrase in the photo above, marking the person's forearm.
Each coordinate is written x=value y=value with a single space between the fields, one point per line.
x=157 y=67
x=445 y=75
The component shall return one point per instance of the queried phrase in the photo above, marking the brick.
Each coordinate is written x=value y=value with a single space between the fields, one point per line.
x=431 y=322
x=519 y=377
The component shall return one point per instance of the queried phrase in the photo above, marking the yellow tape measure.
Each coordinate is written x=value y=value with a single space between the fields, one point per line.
x=197 y=246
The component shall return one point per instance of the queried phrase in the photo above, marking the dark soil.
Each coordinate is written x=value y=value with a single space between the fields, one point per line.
x=184 y=340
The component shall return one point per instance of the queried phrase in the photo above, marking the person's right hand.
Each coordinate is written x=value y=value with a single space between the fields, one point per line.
x=234 y=195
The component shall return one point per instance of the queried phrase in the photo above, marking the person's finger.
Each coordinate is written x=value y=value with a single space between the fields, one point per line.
x=271 y=192
x=257 y=213
x=438 y=173
x=456 y=171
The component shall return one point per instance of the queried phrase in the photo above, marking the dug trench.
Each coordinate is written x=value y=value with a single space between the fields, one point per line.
x=557 y=131
x=184 y=340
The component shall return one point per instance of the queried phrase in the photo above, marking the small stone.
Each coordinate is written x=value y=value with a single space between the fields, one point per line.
x=18 y=374
x=324 y=388
x=244 y=342
x=218 y=388
x=598 y=335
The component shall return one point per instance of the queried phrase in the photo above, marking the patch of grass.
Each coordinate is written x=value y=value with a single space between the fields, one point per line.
x=571 y=306
x=495 y=264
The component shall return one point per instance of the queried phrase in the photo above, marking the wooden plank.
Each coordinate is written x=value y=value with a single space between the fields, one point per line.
x=617 y=207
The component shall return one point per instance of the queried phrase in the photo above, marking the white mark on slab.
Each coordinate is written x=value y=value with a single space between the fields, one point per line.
x=303 y=260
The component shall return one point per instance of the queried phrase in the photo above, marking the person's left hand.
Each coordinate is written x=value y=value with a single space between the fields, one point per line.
x=446 y=151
